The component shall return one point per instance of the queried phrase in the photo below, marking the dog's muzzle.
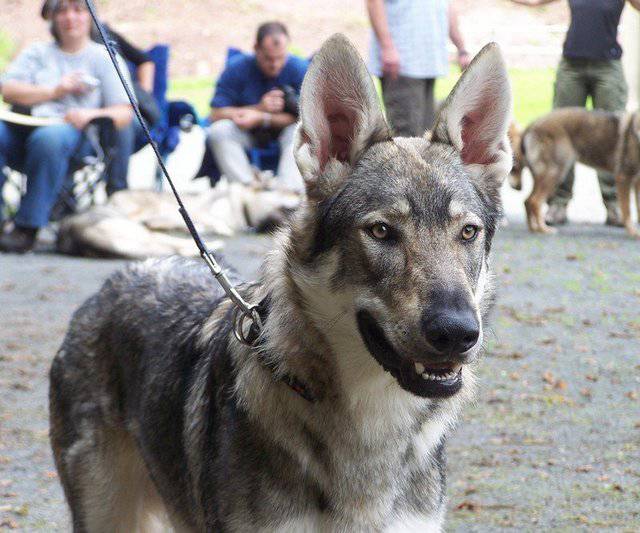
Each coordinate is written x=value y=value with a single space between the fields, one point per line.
x=429 y=375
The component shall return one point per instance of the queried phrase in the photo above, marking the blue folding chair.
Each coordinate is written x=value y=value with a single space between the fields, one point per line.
x=176 y=116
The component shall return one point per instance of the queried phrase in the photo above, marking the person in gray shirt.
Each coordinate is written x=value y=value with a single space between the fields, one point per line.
x=70 y=80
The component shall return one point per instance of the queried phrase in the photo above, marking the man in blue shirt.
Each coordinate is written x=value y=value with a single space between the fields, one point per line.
x=255 y=102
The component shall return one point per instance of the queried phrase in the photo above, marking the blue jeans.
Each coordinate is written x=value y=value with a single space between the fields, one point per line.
x=116 y=171
x=43 y=154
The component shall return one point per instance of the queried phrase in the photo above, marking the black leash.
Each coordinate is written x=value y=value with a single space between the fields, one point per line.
x=244 y=311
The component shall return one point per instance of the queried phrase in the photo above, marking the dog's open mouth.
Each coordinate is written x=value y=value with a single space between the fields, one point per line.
x=416 y=375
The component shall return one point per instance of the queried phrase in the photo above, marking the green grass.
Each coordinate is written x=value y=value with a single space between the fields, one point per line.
x=6 y=49
x=197 y=91
x=532 y=89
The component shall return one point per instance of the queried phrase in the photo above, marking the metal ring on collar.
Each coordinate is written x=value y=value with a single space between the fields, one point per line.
x=239 y=318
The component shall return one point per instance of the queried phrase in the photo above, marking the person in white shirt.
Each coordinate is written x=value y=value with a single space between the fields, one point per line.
x=408 y=52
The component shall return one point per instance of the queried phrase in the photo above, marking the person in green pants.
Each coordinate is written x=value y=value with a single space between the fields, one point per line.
x=590 y=67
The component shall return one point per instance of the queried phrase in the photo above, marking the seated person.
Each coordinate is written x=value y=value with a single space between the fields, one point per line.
x=116 y=172
x=71 y=79
x=248 y=107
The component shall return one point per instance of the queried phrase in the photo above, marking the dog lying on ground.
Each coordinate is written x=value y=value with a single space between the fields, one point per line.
x=552 y=144
x=133 y=224
x=373 y=308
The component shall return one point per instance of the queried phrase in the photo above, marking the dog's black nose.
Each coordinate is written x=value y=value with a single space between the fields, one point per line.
x=450 y=324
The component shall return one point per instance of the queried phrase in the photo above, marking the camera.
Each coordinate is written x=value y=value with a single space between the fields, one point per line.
x=290 y=99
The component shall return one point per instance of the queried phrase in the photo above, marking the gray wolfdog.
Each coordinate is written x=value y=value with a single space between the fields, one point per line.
x=372 y=305
x=603 y=140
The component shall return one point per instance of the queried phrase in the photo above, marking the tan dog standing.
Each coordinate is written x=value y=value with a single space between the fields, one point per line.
x=552 y=144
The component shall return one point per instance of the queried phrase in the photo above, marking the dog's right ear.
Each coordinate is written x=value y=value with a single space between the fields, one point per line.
x=340 y=116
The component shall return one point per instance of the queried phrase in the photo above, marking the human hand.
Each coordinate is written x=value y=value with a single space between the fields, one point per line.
x=79 y=118
x=464 y=59
x=247 y=119
x=70 y=84
x=272 y=102
x=390 y=61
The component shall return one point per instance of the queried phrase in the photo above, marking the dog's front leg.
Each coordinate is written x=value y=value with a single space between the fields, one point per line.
x=637 y=189
x=623 y=187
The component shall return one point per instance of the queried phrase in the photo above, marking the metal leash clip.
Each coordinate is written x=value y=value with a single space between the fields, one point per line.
x=247 y=335
x=243 y=311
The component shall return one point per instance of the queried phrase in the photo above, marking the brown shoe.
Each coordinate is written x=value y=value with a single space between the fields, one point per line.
x=556 y=215
x=613 y=216
x=19 y=240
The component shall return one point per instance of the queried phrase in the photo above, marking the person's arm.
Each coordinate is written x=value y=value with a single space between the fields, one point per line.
x=279 y=120
x=250 y=117
x=227 y=112
x=533 y=3
x=28 y=94
x=456 y=36
x=121 y=114
x=146 y=73
x=221 y=113
x=390 y=58
x=635 y=3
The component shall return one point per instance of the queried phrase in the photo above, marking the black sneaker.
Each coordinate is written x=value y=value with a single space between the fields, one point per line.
x=19 y=240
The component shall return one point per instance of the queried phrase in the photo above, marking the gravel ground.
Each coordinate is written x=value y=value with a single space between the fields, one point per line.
x=553 y=442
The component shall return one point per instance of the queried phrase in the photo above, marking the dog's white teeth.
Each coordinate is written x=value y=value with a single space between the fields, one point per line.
x=419 y=368
x=438 y=377
x=456 y=369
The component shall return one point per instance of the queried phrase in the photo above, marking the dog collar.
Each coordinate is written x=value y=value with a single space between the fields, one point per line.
x=253 y=339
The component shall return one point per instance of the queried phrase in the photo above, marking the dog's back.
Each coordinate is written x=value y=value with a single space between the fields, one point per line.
x=573 y=133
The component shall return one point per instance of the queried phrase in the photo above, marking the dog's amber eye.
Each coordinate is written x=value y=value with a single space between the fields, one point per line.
x=379 y=230
x=469 y=232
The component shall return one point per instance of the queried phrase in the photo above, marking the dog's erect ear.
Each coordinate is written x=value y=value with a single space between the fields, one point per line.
x=474 y=119
x=340 y=116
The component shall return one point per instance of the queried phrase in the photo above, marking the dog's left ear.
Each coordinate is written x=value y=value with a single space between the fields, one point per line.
x=475 y=117
x=340 y=116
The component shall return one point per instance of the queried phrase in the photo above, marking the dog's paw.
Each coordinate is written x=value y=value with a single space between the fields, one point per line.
x=633 y=232
x=547 y=230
